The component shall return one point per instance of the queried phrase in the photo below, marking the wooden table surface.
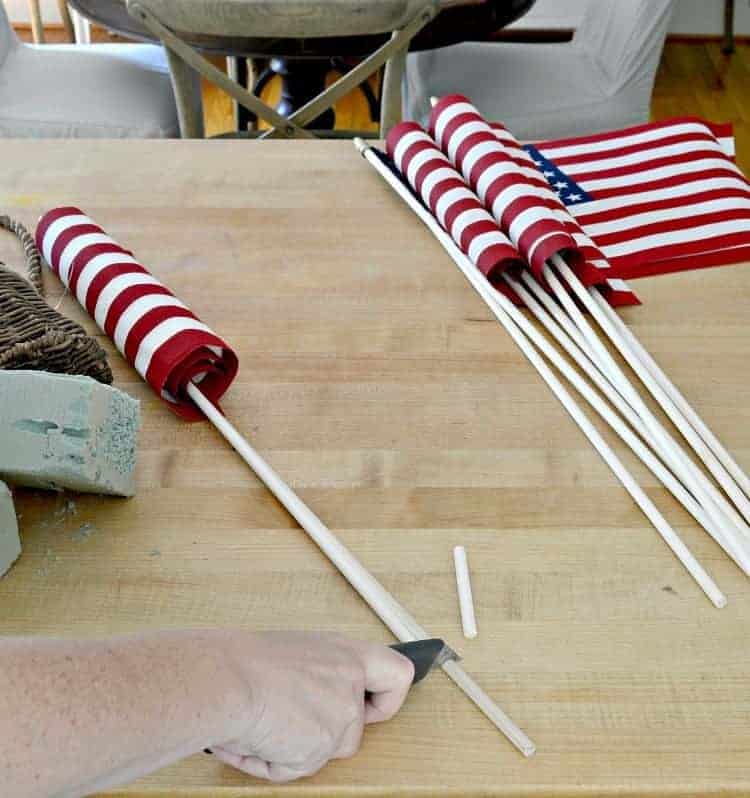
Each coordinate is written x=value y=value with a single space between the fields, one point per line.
x=376 y=382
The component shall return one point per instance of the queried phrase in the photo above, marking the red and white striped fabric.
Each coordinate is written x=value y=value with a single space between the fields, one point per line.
x=501 y=183
x=451 y=201
x=655 y=198
x=595 y=268
x=166 y=343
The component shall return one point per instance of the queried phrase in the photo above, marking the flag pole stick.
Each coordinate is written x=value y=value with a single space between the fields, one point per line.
x=591 y=299
x=507 y=314
x=383 y=604
x=736 y=547
x=695 y=480
x=680 y=401
x=565 y=321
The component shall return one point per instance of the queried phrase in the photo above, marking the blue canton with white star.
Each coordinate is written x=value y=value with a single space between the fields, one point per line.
x=567 y=189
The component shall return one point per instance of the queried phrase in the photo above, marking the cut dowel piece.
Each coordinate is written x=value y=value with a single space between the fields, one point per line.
x=62 y=431
x=10 y=543
x=465 y=596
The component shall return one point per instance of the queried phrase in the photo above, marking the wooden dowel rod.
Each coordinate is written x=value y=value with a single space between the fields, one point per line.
x=737 y=549
x=385 y=606
x=393 y=615
x=693 y=479
x=706 y=455
x=722 y=505
x=680 y=401
x=465 y=596
x=505 y=312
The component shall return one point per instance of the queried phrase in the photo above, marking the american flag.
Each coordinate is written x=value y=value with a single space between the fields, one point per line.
x=509 y=184
x=157 y=334
x=655 y=198
x=442 y=189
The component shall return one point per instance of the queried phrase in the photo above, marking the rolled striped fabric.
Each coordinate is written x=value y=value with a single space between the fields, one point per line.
x=452 y=202
x=156 y=333
x=502 y=184
x=595 y=268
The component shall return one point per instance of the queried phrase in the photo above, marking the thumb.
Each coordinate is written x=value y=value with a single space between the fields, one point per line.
x=388 y=677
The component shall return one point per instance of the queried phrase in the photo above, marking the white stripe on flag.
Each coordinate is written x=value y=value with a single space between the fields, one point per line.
x=160 y=335
x=511 y=194
x=671 y=192
x=437 y=177
x=462 y=133
x=406 y=141
x=492 y=173
x=644 y=137
x=667 y=151
x=450 y=198
x=674 y=237
x=484 y=241
x=659 y=173
x=465 y=218
x=60 y=226
x=75 y=246
x=668 y=214
x=524 y=220
x=137 y=310
x=537 y=242
x=114 y=288
x=727 y=144
x=477 y=152
x=450 y=113
x=420 y=159
x=94 y=266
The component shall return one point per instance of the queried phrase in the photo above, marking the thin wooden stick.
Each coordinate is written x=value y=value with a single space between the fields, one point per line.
x=565 y=321
x=695 y=441
x=682 y=403
x=385 y=606
x=465 y=597
x=506 y=314
x=680 y=463
x=736 y=548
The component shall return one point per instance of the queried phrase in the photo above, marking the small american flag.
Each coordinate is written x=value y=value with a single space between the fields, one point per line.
x=654 y=198
x=513 y=189
x=166 y=343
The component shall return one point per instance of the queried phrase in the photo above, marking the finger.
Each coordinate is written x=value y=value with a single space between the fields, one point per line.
x=351 y=739
x=388 y=677
x=251 y=765
x=283 y=773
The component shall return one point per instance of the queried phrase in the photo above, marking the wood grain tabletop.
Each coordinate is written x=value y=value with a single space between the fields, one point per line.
x=379 y=386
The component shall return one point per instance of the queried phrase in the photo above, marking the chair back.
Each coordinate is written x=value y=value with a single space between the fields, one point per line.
x=283 y=18
x=625 y=38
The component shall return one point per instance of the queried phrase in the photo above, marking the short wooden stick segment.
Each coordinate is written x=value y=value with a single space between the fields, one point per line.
x=465 y=596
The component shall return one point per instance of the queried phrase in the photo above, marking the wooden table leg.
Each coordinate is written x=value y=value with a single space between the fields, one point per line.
x=728 y=26
x=37 y=27
x=67 y=22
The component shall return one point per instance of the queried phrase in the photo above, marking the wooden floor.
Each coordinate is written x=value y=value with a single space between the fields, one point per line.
x=698 y=79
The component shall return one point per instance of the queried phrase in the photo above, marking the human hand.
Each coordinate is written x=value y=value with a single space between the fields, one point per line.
x=310 y=695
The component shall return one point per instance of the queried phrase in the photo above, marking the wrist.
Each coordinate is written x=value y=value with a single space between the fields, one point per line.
x=231 y=690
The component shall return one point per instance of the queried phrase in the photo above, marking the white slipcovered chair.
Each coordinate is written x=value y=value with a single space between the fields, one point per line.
x=600 y=80
x=84 y=91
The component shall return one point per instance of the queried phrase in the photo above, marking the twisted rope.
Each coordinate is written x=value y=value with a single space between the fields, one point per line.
x=32 y=334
